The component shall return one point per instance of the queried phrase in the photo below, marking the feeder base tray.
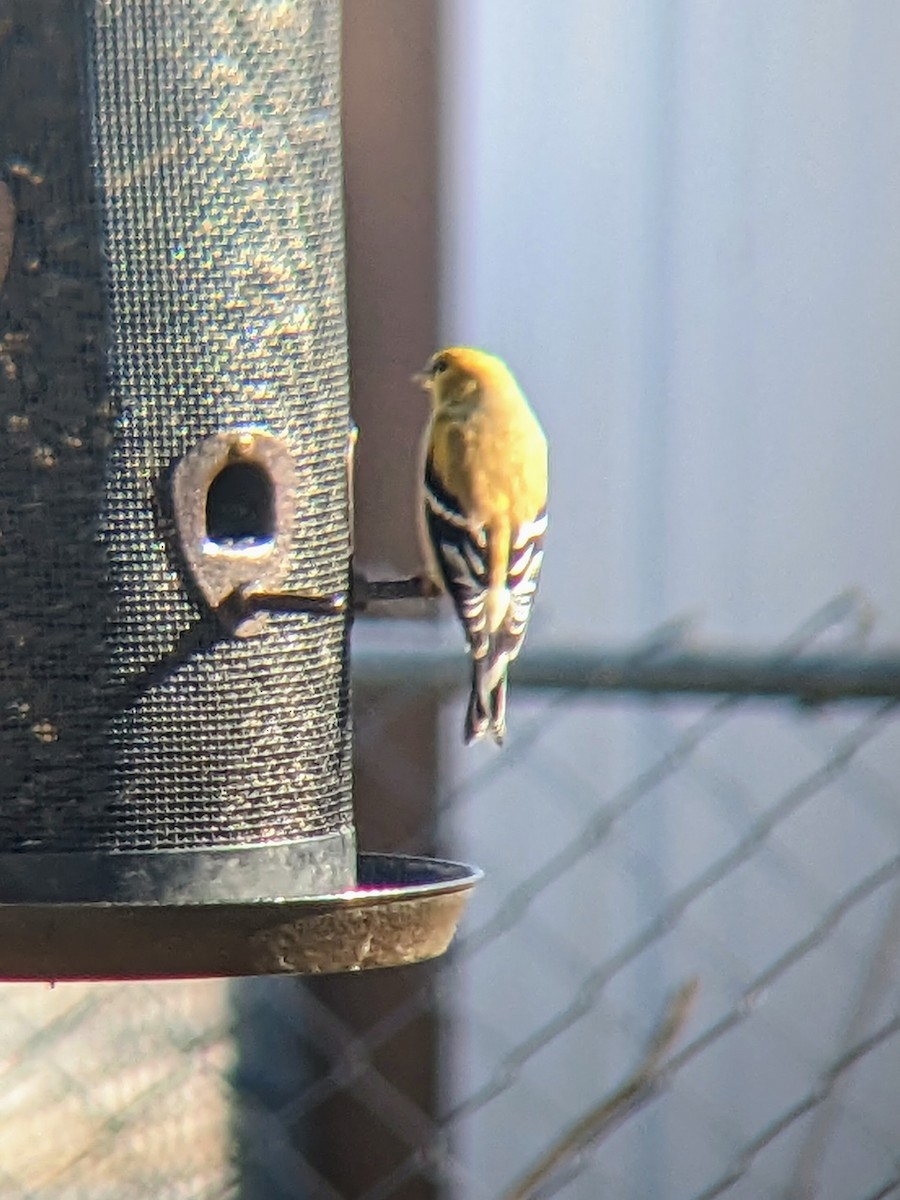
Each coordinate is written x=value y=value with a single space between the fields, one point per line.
x=403 y=910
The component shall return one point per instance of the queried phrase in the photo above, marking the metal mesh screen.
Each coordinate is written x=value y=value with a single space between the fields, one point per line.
x=177 y=270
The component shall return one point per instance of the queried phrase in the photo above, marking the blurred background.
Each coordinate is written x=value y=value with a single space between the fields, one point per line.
x=680 y=225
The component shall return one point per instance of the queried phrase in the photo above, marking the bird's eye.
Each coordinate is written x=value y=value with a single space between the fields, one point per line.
x=440 y=365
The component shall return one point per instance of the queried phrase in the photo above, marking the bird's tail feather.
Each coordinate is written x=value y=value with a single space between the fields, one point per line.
x=498 y=709
x=477 y=720
x=487 y=700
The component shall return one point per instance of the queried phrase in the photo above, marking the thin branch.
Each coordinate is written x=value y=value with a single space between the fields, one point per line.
x=640 y=1087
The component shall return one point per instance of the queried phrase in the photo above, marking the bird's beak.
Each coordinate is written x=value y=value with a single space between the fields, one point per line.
x=422 y=379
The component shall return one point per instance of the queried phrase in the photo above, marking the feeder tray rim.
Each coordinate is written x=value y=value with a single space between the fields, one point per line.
x=454 y=877
x=405 y=911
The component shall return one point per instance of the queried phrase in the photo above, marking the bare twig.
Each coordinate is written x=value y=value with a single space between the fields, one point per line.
x=640 y=1087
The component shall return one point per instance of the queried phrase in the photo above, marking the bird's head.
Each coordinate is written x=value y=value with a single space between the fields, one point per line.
x=460 y=376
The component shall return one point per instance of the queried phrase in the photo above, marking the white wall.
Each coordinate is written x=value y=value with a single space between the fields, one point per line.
x=680 y=223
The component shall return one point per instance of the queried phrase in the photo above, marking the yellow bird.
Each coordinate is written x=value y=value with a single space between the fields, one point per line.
x=485 y=510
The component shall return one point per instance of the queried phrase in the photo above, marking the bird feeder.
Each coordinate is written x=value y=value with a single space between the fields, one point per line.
x=176 y=788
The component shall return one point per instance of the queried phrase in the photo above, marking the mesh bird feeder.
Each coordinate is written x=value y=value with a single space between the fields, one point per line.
x=176 y=788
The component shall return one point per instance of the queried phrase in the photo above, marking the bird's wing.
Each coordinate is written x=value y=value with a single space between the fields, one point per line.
x=525 y=561
x=463 y=560
x=462 y=557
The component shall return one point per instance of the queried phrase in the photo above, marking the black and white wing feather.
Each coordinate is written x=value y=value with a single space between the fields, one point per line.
x=525 y=561
x=461 y=554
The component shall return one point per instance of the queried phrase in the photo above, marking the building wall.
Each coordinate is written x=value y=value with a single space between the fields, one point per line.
x=680 y=225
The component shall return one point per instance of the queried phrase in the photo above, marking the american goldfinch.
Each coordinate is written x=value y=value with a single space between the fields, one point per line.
x=485 y=495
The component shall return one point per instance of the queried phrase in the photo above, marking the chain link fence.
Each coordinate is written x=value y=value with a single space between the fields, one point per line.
x=678 y=979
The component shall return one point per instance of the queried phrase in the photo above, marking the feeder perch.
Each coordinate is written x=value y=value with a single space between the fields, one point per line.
x=176 y=789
